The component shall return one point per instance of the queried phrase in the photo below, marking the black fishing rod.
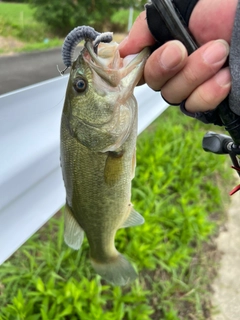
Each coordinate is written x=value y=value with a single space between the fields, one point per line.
x=212 y=142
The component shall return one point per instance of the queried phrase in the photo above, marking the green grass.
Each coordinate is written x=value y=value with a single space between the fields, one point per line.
x=17 y=12
x=119 y=19
x=176 y=190
x=17 y=20
x=51 y=43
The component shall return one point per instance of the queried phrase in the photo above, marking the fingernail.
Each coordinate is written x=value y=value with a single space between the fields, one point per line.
x=216 y=52
x=172 y=55
x=223 y=77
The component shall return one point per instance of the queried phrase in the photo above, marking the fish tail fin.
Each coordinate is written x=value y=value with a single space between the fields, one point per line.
x=118 y=271
x=73 y=233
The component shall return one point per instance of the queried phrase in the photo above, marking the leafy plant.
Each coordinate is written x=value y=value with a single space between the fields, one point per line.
x=119 y=19
x=175 y=189
x=63 y=16
x=18 y=21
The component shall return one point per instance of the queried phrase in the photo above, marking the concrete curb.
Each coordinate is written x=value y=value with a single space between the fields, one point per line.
x=226 y=286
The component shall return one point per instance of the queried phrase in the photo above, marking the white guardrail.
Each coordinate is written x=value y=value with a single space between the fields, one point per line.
x=31 y=185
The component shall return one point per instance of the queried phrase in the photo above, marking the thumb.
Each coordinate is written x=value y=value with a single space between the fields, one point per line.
x=139 y=37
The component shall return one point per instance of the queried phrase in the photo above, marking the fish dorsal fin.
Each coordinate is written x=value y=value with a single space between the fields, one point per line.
x=73 y=233
x=134 y=219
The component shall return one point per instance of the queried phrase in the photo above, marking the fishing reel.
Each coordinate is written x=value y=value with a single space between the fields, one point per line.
x=223 y=144
x=172 y=17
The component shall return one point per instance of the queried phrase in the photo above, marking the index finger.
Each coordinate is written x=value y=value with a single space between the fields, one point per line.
x=139 y=37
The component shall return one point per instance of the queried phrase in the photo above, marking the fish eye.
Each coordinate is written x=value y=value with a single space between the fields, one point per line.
x=80 y=84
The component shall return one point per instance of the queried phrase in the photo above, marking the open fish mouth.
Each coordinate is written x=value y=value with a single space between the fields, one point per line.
x=104 y=59
x=108 y=64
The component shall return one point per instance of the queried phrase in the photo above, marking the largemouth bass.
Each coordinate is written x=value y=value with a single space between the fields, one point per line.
x=98 y=142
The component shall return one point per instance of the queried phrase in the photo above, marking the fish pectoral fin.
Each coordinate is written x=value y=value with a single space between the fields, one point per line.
x=113 y=167
x=73 y=233
x=134 y=219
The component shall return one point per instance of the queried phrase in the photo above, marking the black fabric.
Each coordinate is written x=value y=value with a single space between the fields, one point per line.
x=171 y=104
x=156 y=25
x=210 y=116
x=185 y=8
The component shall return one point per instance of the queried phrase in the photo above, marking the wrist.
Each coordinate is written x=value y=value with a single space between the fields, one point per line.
x=185 y=8
x=211 y=20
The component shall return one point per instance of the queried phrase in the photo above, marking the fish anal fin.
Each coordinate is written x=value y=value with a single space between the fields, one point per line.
x=134 y=219
x=113 y=167
x=73 y=233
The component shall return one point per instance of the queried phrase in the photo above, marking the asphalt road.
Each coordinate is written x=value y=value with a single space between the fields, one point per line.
x=21 y=70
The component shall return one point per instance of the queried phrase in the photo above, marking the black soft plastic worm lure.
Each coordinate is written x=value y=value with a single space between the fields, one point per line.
x=76 y=36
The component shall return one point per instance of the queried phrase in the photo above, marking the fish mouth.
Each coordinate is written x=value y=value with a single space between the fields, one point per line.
x=108 y=64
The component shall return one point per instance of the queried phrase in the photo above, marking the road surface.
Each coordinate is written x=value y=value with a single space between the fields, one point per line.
x=21 y=70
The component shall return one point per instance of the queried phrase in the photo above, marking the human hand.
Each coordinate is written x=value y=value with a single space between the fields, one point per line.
x=198 y=78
